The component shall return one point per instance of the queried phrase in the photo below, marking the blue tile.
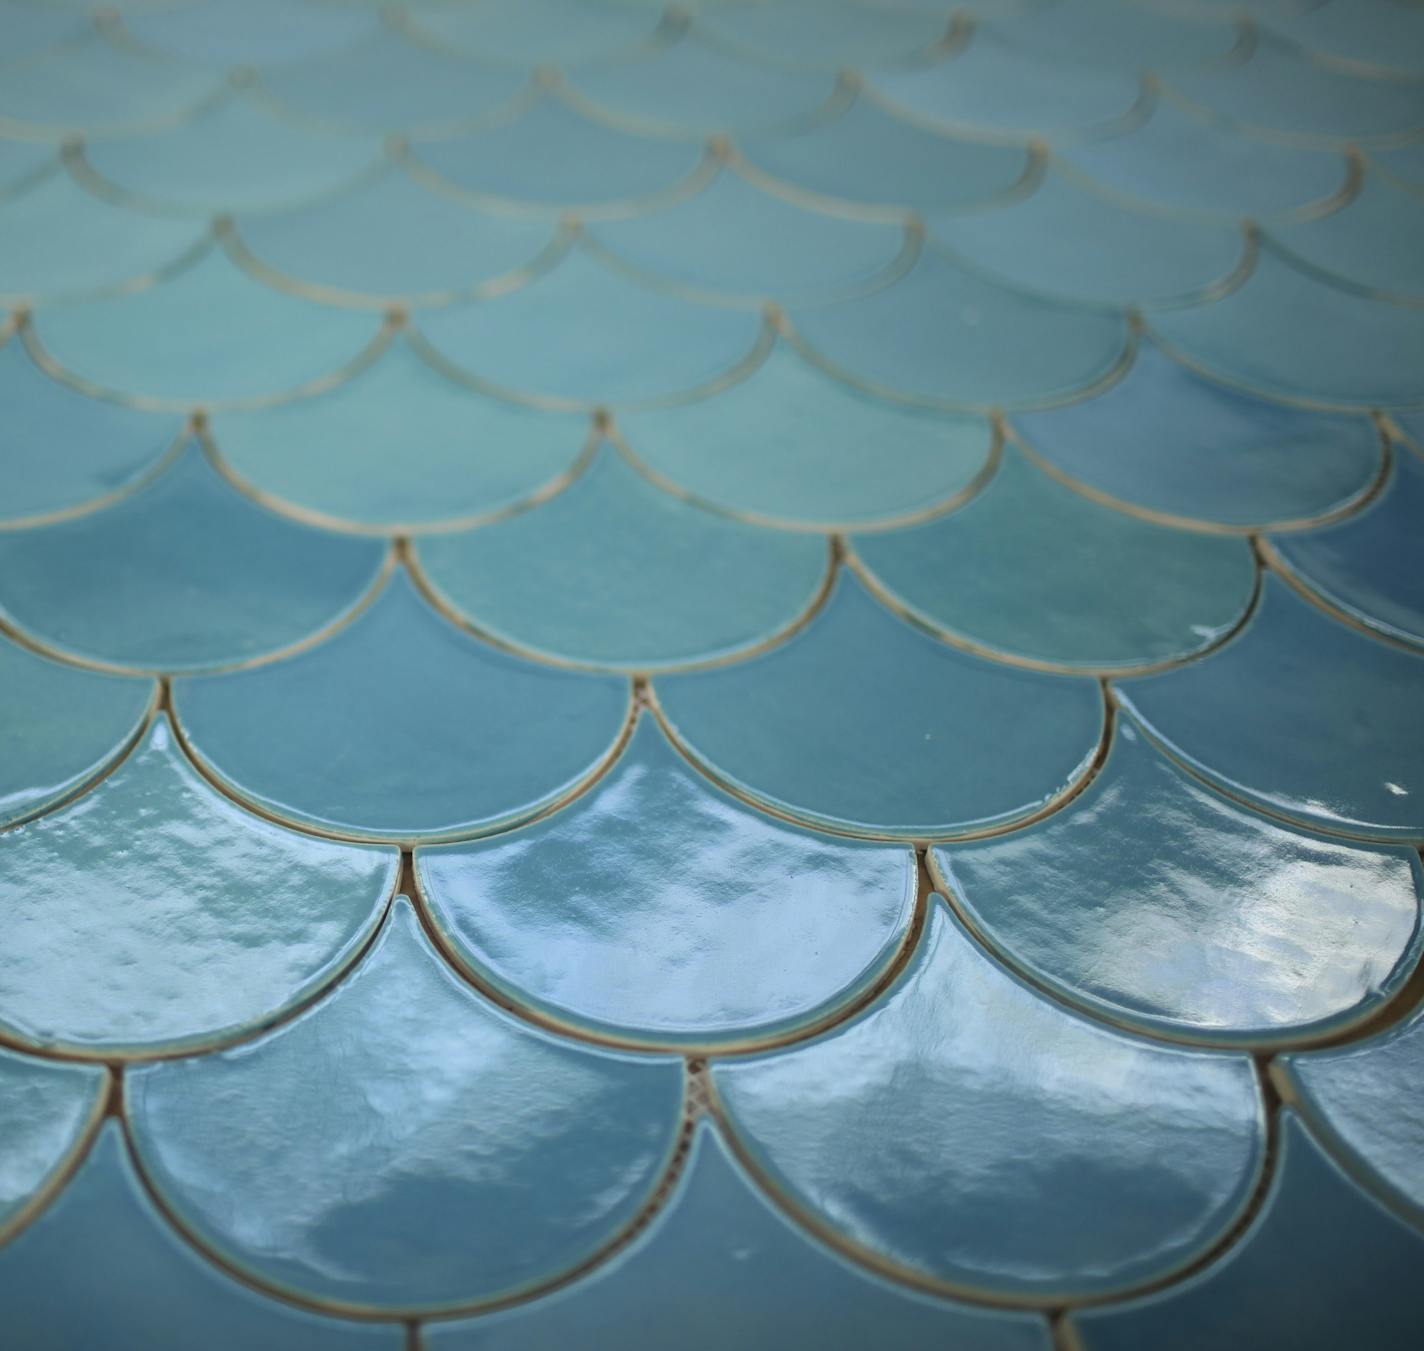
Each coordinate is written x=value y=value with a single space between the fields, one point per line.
x=1378 y=33
x=149 y=583
x=615 y=572
x=1300 y=714
x=657 y=907
x=23 y=163
x=1033 y=570
x=33 y=29
x=305 y=1158
x=965 y=1130
x=719 y=1267
x=257 y=32
x=806 y=33
x=537 y=32
x=863 y=723
x=438 y=733
x=1320 y=1267
x=1156 y=903
x=1122 y=37
x=1404 y=162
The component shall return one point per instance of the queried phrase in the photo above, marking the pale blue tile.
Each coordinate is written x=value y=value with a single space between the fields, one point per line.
x=1124 y=37
x=1380 y=33
x=32 y=29
x=23 y=163
x=1405 y=162
x=811 y=33
x=257 y=32
x=538 y=32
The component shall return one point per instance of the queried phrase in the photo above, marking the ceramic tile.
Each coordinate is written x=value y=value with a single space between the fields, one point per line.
x=1382 y=34
x=152 y=914
x=1156 y=903
x=1120 y=36
x=1301 y=714
x=45 y=1110
x=1289 y=333
x=25 y=162
x=805 y=33
x=538 y=32
x=101 y=1267
x=257 y=32
x=791 y=444
x=521 y=1157
x=399 y=445
x=33 y=29
x=864 y=723
x=615 y=572
x=147 y=583
x=946 y=336
x=1321 y=1266
x=1371 y=564
x=61 y=727
x=1034 y=570
x=720 y=1267
x=1080 y=1161
x=537 y=345
x=438 y=733
x=658 y=907
x=1411 y=422
x=1404 y=162
x=1164 y=439
x=207 y=334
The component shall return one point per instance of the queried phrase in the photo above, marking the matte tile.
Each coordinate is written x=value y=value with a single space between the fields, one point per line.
x=806 y=33
x=616 y=572
x=966 y=1130
x=1379 y=33
x=864 y=723
x=1321 y=1266
x=538 y=32
x=1166 y=439
x=437 y=732
x=1161 y=905
x=149 y=583
x=1301 y=714
x=658 y=907
x=33 y=29
x=1405 y=162
x=152 y=914
x=25 y=162
x=101 y=1267
x=1411 y=422
x=256 y=32
x=520 y=1157
x=720 y=1267
x=1121 y=36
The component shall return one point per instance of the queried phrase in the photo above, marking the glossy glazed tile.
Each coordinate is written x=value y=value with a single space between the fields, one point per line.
x=147 y=582
x=1382 y=34
x=1321 y=1266
x=863 y=723
x=1034 y=570
x=803 y=33
x=528 y=33
x=1167 y=440
x=61 y=727
x=400 y=445
x=791 y=444
x=1159 y=904
x=257 y=32
x=718 y=1267
x=658 y=907
x=1302 y=714
x=437 y=732
x=616 y=572
x=152 y=914
x=1035 y=1154
x=949 y=337
x=521 y=1158
x=102 y=1267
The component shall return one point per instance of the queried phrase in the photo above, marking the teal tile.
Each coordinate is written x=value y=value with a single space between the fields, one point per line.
x=256 y=32
x=863 y=723
x=58 y=240
x=616 y=572
x=656 y=907
x=791 y=444
x=869 y=157
x=537 y=342
x=23 y=163
x=1300 y=714
x=946 y=336
x=399 y=446
x=1165 y=439
x=807 y=33
x=60 y=728
x=208 y=334
x=1404 y=162
x=1031 y=1154
x=1411 y=422
x=46 y=1109
x=389 y=239
x=149 y=583
x=107 y=449
x=1122 y=37
x=528 y=33
x=1158 y=904
x=1290 y=333
x=1070 y=243
x=1035 y=571
x=307 y=1161
x=101 y=1267
x=735 y=240
x=552 y=157
x=720 y=1267
x=33 y=29
x=152 y=914
x=1380 y=33
x=438 y=733
x=1371 y=564
x=1321 y=1266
